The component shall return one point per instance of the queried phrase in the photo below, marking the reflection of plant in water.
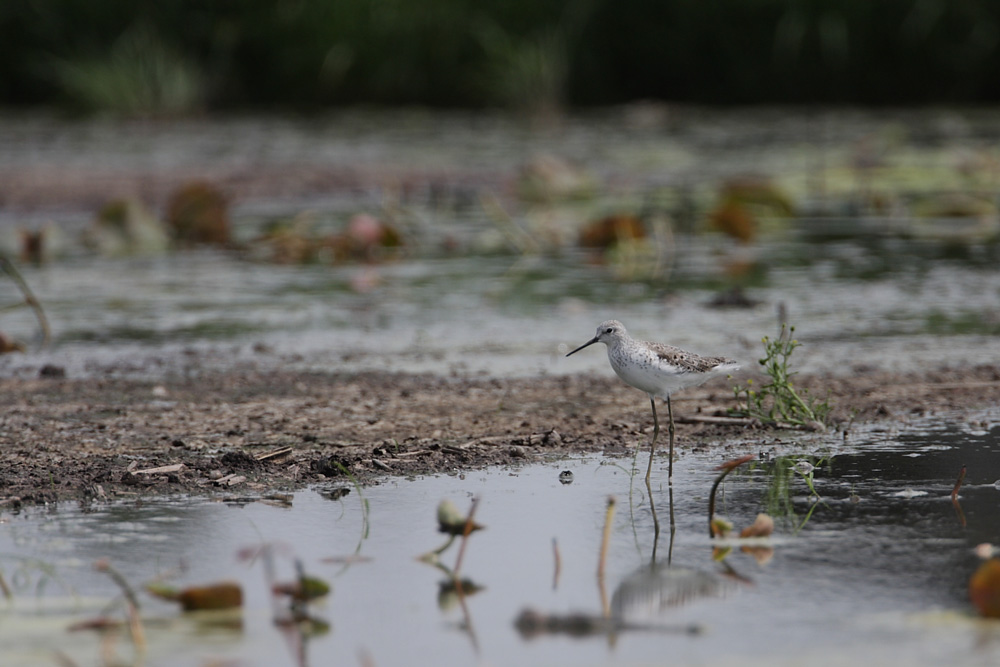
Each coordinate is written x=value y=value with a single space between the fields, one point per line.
x=455 y=588
x=365 y=510
x=783 y=472
x=29 y=571
x=718 y=526
x=452 y=523
x=776 y=401
x=291 y=599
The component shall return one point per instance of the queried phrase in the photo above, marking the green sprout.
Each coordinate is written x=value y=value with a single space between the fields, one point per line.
x=776 y=401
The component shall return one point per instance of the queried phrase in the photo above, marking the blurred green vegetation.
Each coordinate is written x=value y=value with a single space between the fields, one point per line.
x=168 y=57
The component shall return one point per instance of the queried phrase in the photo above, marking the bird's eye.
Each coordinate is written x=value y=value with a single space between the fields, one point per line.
x=608 y=330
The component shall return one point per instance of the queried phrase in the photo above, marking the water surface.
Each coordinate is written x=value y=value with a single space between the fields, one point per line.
x=874 y=571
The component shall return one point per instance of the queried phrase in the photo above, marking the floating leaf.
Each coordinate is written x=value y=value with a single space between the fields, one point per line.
x=303 y=590
x=163 y=591
x=224 y=595
x=721 y=527
x=451 y=521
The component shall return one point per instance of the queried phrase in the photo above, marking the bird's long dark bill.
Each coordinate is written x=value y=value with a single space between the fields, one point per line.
x=589 y=342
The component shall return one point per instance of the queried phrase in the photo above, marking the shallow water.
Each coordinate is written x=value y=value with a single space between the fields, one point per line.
x=878 y=578
x=491 y=315
x=862 y=291
x=882 y=580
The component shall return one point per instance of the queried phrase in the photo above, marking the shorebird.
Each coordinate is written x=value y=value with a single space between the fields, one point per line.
x=657 y=369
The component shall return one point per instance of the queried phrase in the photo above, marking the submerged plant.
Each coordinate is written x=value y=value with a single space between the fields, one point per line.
x=776 y=401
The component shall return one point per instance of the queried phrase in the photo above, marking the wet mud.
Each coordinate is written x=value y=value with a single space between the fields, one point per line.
x=247 y=432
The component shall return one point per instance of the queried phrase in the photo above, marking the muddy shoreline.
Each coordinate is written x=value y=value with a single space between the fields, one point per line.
x=260 y=433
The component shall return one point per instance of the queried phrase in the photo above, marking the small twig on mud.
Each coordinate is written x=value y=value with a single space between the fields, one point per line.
x=274 y=453
x=726 y=468
x=714 y=419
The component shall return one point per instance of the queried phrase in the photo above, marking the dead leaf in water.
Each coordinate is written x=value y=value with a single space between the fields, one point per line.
x=223 y=595
x=984 y=589
x=762 y=526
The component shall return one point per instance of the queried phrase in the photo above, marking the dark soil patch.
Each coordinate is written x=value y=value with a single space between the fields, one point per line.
x=264 y=432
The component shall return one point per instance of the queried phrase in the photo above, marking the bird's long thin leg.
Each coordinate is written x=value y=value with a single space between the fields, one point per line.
x=670 y=432
x=656 y=432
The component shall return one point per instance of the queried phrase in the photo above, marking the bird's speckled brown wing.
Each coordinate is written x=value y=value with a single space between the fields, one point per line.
x=688 y=361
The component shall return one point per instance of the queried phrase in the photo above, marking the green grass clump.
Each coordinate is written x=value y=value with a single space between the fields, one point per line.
x=527 y=73
x=140 y=75
x=776 y=401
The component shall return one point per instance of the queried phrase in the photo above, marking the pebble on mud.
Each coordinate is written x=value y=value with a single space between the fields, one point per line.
x=52 y=371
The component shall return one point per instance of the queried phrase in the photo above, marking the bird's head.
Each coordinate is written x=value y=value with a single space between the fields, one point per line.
x=608 y=332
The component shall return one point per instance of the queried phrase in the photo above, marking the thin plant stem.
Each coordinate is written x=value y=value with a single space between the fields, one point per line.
x=726 y=468
x=29 y=298
x=606 y=536
x=558 y=564
x=465 y=536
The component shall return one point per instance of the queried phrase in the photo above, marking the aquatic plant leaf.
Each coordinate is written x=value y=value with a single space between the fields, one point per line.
x=198 y=212
x=163 y=591
x=304 y=590
x=984 y=589
x=126 y=227
x=223 y=595
x=719 y=554
x=721 y=527
x=451 y=521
